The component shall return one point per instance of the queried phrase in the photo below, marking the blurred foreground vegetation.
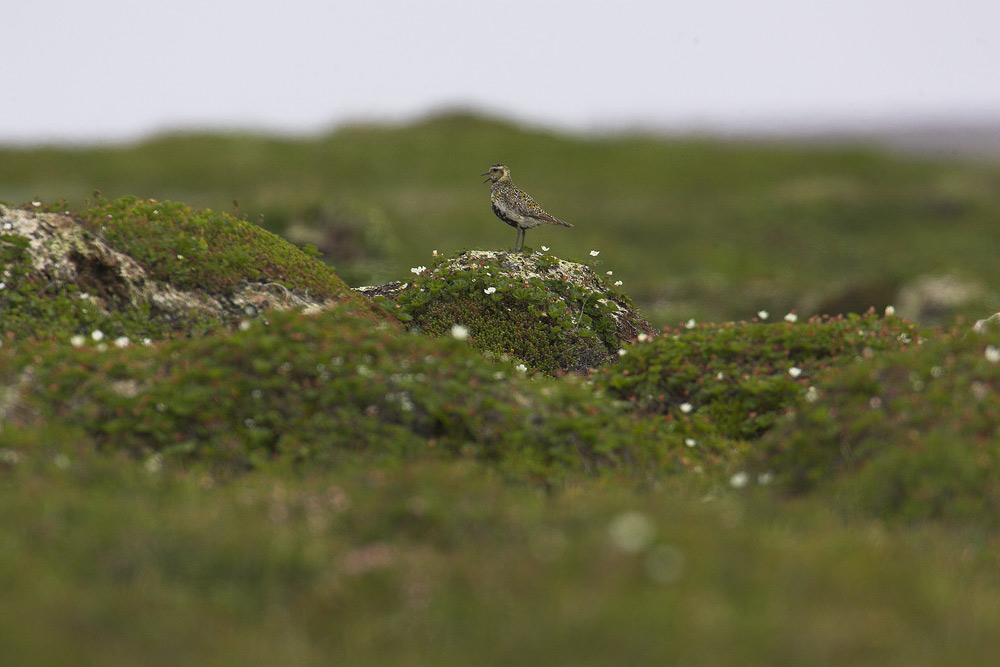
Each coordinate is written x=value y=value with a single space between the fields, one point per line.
x=335 y=488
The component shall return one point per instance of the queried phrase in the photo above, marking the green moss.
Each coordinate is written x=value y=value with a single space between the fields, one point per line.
x=739 y=377
x=182 y=248
x=317 y=389
x=535 y=312
x=204 y=250
x=34 y=306
x=914 y=434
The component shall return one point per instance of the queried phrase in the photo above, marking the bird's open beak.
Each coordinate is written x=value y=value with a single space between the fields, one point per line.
x=487 y=175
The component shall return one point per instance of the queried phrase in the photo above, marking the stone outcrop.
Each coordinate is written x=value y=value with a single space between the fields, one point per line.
x=506 y=298
x=62 y=253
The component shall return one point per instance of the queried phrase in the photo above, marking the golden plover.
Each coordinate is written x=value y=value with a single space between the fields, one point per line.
x=516 y=207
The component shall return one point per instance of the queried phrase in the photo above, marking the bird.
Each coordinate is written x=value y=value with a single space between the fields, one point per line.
x=514 y=206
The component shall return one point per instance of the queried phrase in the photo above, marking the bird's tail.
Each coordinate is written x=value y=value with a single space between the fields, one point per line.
x=557 y=221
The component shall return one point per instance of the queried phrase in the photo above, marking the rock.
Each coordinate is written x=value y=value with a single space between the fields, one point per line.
x=989 y=324
x=551 y=313
x=389 y=290
x=930 y=299
x=58 y=258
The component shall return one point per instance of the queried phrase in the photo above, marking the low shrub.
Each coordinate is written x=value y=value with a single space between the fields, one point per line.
x=317 y=388
x=912 y=434
x=739 y=377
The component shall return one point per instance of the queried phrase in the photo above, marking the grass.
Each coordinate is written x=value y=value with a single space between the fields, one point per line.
x=306 y=489
x=444 y=563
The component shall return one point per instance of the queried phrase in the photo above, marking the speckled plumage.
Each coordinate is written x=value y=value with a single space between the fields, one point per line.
x=515 y=207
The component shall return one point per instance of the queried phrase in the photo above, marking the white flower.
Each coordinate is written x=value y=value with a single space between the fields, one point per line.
x=763 y=314
x=720 y=376
x=621 y=352
x=180 y=256
x=418 y=269
x=122 y=341
x=765 y=478
x=812 y=395
x=791 y=317
x=36 y=204
x=739 y=480
x=981 y=325
x=795 y=371
x=77 y=340
x=545 y=248
x=631 y=532
x=992 y=354
x=618 y=283
x=147 y=341
x=686 y=407
x=642 y=337
x=97 y=335
x=690 y=442
x=459 y=332
x=595 y=253
x=890 y=311
x=489 y=290
x=154 y=463
x=610 y=273
x=522 y=368
x=3 y=285
x=690 y=324
x=434 y=253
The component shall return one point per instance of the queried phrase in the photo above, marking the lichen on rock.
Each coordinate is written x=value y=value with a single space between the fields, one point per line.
x=65 y=274
x=552 y=314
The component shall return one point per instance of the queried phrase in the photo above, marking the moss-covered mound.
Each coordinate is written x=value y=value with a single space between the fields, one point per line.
x=147 y=269
x=912 y=434
x=319 y=388
x=551 y=314
x=736 y=378
x=206 y=250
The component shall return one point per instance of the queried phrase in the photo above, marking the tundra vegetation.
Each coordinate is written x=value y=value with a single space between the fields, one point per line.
x=213 y=451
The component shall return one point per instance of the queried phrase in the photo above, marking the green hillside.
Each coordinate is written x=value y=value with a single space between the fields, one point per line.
x=693 y=228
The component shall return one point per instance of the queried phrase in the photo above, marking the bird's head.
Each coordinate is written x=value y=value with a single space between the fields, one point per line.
x=498 y=172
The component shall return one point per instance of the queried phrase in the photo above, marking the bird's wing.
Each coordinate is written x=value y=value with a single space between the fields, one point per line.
x=526 y=206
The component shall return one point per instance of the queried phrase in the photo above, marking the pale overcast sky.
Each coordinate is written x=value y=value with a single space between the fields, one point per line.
x=118 y=69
